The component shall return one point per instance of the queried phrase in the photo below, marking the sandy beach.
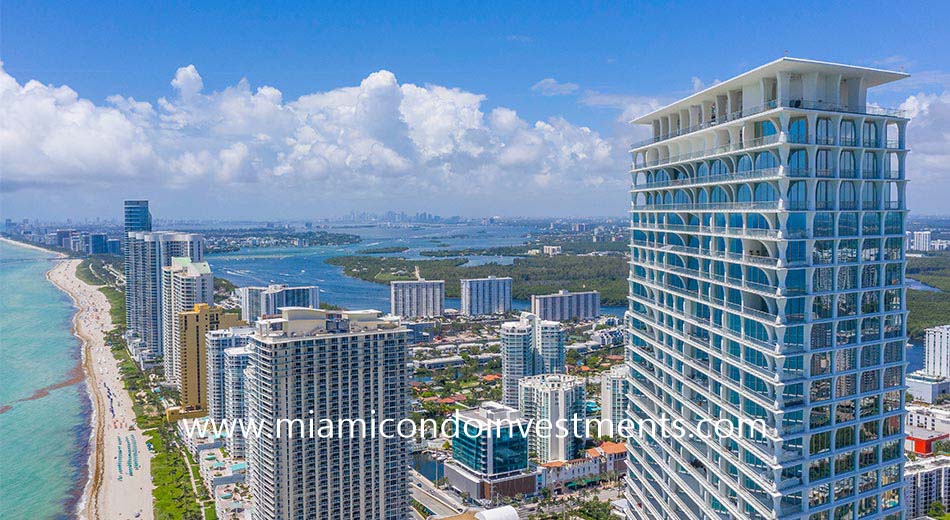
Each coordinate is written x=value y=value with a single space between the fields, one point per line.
x=116 y=488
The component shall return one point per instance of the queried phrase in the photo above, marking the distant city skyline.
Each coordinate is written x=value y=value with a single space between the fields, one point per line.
x=308 y=113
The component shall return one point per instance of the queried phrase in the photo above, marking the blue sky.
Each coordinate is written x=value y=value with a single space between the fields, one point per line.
x=603 y=62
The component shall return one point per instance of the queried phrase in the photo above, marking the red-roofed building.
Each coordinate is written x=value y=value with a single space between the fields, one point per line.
x=609 y=456
x=557 y=474
x=921 y=441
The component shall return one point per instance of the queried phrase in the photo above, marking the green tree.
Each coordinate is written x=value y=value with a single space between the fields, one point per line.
x=936 y=509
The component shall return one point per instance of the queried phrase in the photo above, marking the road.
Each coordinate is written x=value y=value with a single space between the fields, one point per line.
x=440 y=502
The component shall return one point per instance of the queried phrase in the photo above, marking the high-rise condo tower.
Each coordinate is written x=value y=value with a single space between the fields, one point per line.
x=767 y=283
x=348 y=367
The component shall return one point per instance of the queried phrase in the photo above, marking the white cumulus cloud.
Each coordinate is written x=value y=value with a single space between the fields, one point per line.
x=928 y=163
x=377 y=137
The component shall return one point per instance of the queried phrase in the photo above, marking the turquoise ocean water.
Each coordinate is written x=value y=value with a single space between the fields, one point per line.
x=44 y=436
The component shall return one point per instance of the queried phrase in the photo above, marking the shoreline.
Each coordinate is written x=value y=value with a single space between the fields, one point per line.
x=106 y=493
x=34 y=247
x=95 y=462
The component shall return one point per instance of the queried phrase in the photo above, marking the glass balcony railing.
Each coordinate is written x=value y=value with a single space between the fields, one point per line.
x=764 y=316
x=714 y=206
x=714 y=121
x=725 y=148
x=847 y=109
x=723 y=231
x=732 y=455
x=725 y=177
x=695 y=251
x=802 y=104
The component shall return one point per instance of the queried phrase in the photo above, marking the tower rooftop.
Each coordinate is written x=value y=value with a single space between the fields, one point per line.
x=871 y=77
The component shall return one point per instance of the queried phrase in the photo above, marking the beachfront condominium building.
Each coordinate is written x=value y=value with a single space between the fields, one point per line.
x=136 y=219
x=482 y=296
x=264 y=301
x=560 y=399
x=337 y=365
x=417 y=298
x=184 y=285
x=566 y=305
x=147 y=253
x=613 y=399
x=235 y=360
x=137 y=216
x=529 y=346
x=216 y=342
x=767 y=283
x=98 y=244
x=191 y=347
x=937 y=353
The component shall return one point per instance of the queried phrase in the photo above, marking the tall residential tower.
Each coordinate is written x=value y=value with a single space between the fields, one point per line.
x=417 y=298
x=317 y=364
x=481 y=296
x=147 y=253
x=136 y=218
x=529 y=346
x=184 y=285
x=263 y=301
x=565 y=305
x=767 y=283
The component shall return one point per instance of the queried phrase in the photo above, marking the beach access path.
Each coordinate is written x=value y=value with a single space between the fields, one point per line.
x=116 y=488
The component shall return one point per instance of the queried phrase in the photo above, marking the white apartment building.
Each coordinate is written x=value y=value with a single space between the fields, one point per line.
x=184 y=284
x=926 y=481
x=216 y=342
x=921 y=241
x=339 y=365
x=767 y=282
x=566 y=305
x=146 y=254
x=937 y=353
x=482 y=296
x=235 y=361
x=613 y=398
x=264 y=301
x=558 y=398
x=936 y=419
x=417 y=298
x=529 y=346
